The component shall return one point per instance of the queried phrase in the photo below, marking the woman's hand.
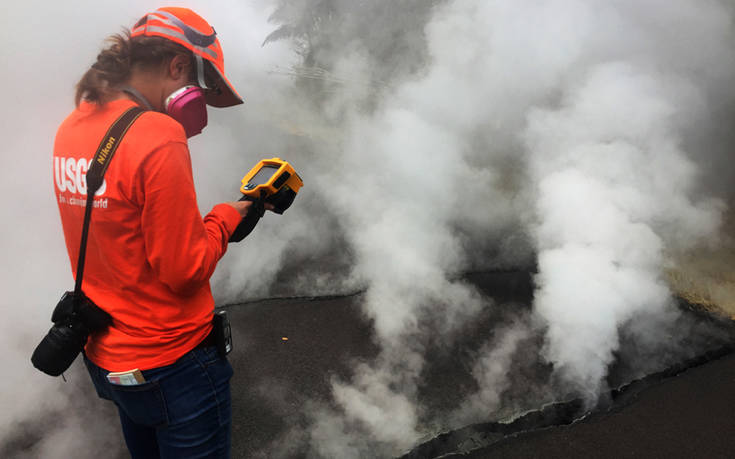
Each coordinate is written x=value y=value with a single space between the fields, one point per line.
x=244 y=206
x=241 y=206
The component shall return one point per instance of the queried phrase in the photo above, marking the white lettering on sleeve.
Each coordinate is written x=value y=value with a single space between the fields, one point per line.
x=82 y=176
x=59 y=173
x=70 y=173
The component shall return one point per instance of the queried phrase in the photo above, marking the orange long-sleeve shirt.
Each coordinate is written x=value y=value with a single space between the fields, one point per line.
x=150 y=254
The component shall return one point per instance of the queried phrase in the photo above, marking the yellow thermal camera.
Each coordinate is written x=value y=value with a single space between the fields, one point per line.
x=274 y=181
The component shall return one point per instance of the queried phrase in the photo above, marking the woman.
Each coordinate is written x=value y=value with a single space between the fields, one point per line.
x=150 y=254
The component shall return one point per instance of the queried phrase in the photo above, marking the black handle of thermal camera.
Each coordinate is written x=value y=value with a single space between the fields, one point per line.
x=248 y=222
x=281 y=200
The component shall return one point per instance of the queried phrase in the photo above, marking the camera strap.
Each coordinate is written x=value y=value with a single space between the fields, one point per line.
x=95 y=175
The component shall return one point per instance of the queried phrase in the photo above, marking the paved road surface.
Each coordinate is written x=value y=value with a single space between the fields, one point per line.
x=688 y=416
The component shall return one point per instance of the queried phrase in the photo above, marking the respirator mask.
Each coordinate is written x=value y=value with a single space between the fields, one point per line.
x=186 y=28
x=188 y=106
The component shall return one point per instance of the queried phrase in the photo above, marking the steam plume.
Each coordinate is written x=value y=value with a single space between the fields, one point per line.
x=561 y=123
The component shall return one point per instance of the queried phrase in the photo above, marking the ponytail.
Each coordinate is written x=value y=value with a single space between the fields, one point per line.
x=115 y=64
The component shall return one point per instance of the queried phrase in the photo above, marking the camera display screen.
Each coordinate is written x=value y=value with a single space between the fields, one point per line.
x=263 y=175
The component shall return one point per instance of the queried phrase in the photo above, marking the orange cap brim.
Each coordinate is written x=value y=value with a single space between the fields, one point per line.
x=226 y=96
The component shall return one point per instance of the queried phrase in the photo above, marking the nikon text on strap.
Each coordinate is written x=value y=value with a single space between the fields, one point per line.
x=96 y=173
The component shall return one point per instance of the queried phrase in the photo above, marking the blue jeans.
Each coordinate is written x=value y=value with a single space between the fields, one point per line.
x=183 y=410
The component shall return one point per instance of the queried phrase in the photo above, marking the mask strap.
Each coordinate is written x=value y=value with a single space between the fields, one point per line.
x=200 y=71
x=135 y=93
x=197 y=39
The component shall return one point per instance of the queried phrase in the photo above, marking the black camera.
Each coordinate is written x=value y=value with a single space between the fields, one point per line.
x=74 y=318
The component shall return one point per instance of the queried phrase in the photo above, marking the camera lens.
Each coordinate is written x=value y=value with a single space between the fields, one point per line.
x=58 y=349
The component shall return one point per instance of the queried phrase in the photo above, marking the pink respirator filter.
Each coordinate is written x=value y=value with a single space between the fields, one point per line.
x=188 y=106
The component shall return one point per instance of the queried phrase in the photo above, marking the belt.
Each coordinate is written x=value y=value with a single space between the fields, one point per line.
x=208 y=341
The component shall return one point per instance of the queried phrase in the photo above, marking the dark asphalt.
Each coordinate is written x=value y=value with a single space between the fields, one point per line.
x=285 y=354
x=276 y=378
x=688 y=416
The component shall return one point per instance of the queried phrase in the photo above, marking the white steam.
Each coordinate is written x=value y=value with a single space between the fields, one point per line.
x=564 y=120
x=491 y=370
x=613 y=193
